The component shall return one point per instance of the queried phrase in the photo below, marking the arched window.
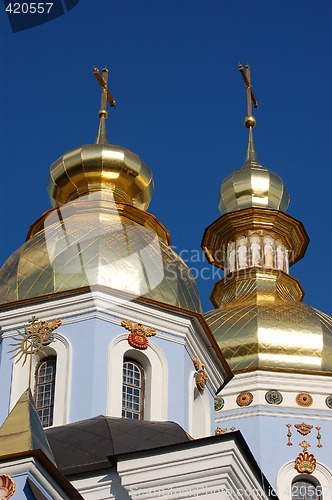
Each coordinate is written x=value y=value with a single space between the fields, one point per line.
x=44 y=390
x=132 y=390
x=302 y=489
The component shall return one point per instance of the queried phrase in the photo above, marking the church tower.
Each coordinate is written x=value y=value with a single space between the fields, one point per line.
x=279 y=349
x=103 y=339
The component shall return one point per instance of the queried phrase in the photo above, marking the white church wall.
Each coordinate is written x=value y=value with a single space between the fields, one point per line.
x=155 y=366
x=199 y=410
x=209 y=467
x=5 y=377
x=321 y=478
x=264 y=425
x=86 y=374
x=62 y=349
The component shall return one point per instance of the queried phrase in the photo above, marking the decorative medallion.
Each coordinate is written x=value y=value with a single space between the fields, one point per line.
x=289 y=435
x=244 y=399
x=200 y=375
x=304 y=399
x=273 y=397
x=138 y=336
x=7 y=486
x=35 y=336
x=319 y=437
x=304 y=445
x=305 y=462
x=220 y=430
x=219 y=403
x=328 y=401
x=303 y=428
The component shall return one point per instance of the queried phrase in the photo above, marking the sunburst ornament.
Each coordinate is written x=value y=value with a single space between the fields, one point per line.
x=36 y=336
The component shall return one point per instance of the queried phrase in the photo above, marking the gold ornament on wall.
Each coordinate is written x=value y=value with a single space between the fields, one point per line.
x=200 y=374
x=244 y=399
x=7 y=486
x=303 y=428
x=289 y=435
x=138 y=334
x=305 y=462
x=319 y=437
x=220 y=430
x=33 y=340
x=304 y=399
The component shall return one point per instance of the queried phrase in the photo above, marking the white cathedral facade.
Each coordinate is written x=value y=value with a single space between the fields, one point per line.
x=134 y=392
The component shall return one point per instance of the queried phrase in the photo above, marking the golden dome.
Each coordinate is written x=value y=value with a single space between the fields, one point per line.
x=252 y=185
x=101 y=167
x=290 y=336
x=259 y=321
x=99 y=233
x=93 y=241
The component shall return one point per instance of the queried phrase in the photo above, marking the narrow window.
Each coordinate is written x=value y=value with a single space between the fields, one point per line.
x=305 y=490
x=44 y=390
x=132 y=390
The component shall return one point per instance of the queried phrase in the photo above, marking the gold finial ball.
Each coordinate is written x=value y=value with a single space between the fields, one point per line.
x=103 y=113
x=250 y=121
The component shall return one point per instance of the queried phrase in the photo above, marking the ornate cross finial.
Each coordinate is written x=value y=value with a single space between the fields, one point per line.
x=105 y=93
x=250 y=95
x=249 y=121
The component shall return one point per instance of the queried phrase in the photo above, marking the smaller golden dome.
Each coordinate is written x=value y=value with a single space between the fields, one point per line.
x=101 y=167
x=252 y=185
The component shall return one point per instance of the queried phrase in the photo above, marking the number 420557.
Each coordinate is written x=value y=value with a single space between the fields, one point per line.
x=29 y=8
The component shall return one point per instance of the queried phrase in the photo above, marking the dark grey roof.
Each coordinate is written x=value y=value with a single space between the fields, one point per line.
x=85 y=445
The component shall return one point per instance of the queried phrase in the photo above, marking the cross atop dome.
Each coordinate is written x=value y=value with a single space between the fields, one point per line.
x=105 y=96
x=249 y=120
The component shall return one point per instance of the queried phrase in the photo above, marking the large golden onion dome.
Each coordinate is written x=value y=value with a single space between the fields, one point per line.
x=261 y=323
x=259 y=319
x=98 y=232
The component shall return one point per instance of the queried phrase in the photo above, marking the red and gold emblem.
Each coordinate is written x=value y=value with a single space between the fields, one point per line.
x=305 y=462
x=137 y=337
x=200 y=375
x=244 y=399
x=303 y=428
x=7 y=486
x=220 y=430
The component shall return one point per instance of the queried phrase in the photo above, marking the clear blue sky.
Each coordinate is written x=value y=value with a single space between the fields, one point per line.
x=180 y=106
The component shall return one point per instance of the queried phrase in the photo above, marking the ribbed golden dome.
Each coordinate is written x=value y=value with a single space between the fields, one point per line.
x=99 y=232
x=260 y=321
x=290 y=336
x=101 y=167
x=94 y=241
x=252 y=185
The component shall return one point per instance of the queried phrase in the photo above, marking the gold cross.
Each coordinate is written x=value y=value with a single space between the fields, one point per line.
x=106 y=94
x=250 y=95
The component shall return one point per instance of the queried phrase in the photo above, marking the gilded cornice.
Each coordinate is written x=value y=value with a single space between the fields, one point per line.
x=104 y=208
x=254 y=286
x=268 y=221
